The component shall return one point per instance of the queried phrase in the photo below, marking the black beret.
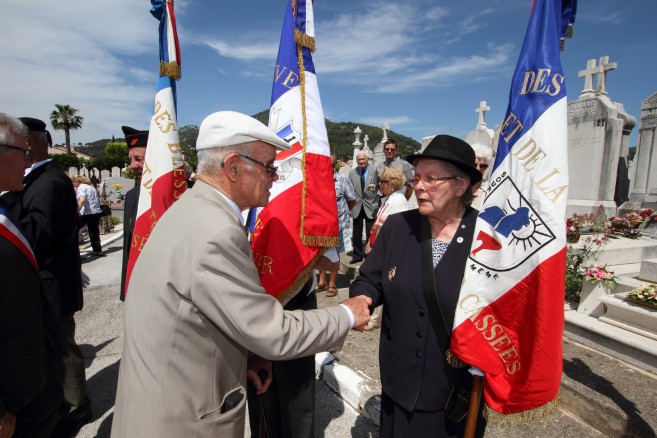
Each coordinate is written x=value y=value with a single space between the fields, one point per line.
x=36 y=125
x=135 y=138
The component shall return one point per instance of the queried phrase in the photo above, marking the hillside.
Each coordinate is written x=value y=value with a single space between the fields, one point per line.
x=340 y=134
x=341 y=137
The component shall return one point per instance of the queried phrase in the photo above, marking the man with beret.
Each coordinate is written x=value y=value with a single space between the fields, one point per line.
x=196 y=311
x=47 y=211
x=137 y=142
x=31 y=398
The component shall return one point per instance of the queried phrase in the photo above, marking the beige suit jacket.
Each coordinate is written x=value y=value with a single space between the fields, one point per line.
x=195 y=308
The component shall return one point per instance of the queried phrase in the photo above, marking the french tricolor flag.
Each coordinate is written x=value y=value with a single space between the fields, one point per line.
x=301 y=219
x=510 y=317
x=163 y=178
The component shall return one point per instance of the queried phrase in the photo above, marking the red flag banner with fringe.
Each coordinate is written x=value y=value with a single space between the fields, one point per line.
x=163 y=178
x=510 y=317
x=301 y=219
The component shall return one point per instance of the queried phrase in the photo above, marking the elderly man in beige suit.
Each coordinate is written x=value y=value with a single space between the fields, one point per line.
x=195 y=310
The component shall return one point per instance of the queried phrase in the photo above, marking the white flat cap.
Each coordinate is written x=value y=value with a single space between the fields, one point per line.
x=229 y=128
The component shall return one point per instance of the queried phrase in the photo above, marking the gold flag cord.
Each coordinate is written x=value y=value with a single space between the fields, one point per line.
x=302 y=40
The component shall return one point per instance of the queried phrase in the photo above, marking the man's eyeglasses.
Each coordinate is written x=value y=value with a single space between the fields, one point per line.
x=271 y=169
x=481 y=166
x=27 y=153
x=430 y=182
x=390 y=149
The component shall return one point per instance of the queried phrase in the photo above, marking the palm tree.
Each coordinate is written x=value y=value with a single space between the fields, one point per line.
x=64 y=118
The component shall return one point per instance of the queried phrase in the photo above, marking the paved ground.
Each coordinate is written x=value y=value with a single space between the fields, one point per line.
x=598 y=392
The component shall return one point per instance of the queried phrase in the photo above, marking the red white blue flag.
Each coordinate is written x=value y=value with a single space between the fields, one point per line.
x=11 y=231
x=163 y=179
x=291 y=232
x=509 y=321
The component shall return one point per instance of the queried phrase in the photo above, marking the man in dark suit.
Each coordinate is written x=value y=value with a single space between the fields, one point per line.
x=31 y=396
x=47 y=212
x=137 y=141
x=363 y=179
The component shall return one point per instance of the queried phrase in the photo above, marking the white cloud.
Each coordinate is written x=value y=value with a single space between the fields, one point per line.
x=384 y=47
x=70 y=52
x=242 y=51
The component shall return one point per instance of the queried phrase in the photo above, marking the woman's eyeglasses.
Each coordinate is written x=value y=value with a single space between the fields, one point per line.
x=27 y=153
x=481 y=166
x=430 y=182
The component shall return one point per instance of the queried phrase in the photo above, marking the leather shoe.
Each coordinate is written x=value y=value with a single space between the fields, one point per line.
x=355 y=260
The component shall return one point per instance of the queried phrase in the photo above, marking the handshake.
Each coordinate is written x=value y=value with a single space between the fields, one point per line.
x=360 y=307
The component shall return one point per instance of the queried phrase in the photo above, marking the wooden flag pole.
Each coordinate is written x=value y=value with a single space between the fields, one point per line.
x=473 y=407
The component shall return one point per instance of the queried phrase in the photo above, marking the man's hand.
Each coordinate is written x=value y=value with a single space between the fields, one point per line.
x=360 y=307
x=255 y=365
x=7 y=425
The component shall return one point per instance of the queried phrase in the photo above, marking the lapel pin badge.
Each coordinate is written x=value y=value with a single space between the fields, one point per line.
x=392 y=272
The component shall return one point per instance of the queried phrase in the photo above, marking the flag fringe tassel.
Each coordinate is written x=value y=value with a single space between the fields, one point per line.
x=323 y=241
x=518 y=419
x=170 y=69
x=301 y=279
x=304 y=40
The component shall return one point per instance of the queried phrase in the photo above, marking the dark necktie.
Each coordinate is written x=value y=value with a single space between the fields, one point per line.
x=362 y=180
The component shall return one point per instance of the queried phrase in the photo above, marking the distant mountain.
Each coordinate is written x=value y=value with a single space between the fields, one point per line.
x=97 y=148
x=340 y=134
x=341 y=137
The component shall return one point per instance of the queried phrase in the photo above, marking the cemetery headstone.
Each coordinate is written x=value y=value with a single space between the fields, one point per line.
x=597 y=130
x=643 y=188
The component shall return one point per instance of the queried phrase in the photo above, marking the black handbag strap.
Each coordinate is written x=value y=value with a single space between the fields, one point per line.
x=429 y=286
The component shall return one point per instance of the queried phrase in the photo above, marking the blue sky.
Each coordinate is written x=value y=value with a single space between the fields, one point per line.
x=420 y=66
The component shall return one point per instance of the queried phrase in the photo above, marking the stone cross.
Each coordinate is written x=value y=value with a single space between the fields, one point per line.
x=385 y=132
x=591 y=70
x=365 y=140
x=482 y=110
x=604 y=67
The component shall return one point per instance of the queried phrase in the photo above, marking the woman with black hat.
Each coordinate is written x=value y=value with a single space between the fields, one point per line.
x=416 y=269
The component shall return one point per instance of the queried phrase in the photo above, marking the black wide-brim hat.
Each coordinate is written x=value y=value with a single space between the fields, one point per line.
x=454 y=151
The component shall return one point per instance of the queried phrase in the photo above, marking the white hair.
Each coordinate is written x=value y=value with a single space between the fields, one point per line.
x=212 y=159
x=483 y=151
x=9 y=127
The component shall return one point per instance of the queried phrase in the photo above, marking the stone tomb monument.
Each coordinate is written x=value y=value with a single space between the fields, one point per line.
x=598 y=145
x=643 y=191
x=482 y=134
